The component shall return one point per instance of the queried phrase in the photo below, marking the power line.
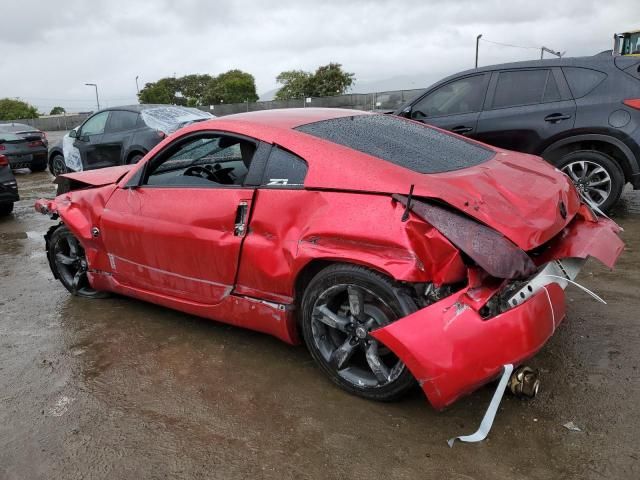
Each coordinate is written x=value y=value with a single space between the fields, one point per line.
x=509 y=45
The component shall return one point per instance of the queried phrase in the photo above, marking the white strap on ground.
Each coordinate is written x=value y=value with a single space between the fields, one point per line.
x=490 y=414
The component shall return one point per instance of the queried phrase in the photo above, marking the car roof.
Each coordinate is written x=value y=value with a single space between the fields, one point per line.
x=142 y=107
x=599 y=60
x=289 y=118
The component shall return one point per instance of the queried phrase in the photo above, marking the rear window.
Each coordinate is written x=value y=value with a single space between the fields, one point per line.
x=582 y=80
x=404 y=143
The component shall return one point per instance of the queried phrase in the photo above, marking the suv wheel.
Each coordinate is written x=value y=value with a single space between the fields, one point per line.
x=57 y=165
x=596 y=175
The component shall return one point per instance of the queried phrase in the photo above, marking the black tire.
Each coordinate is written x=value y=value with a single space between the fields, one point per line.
x=135 y=158
x=603 y=188
x=384 y=302
x=38 y=167
x=68 y=263
x=57 y=165
x=6 y=209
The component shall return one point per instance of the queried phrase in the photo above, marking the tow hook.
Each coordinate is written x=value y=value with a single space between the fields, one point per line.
x=524 y=382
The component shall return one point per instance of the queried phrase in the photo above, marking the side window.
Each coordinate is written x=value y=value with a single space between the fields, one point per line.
x=523 y=87
x=203 y=160
x=284 y=168
x=95 y=125
x=120 y=121
x=460 y=96
x=582 y=80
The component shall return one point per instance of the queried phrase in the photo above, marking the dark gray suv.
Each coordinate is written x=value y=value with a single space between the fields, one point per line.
x=119 y=136
x=580 y=114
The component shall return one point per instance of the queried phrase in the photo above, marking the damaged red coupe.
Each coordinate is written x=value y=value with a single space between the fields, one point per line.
x=396 y=251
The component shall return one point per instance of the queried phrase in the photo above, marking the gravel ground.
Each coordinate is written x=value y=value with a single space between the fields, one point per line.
x=118 y=388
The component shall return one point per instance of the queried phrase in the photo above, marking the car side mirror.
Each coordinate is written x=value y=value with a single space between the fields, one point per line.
x=73 y=134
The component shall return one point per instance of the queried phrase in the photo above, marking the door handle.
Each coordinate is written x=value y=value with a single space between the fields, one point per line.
x=556 y=117
x=461 y=129
x=240 y=227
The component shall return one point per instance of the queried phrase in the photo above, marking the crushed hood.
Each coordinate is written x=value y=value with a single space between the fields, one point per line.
x=95 y=178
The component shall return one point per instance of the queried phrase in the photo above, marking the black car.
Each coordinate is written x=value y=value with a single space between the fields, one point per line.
x=24 y=150
x=119 y=136
x=580 y=114
x=8 y=187
x=24 y=130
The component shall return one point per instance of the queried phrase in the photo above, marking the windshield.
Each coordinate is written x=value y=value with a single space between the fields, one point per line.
x=631 y=44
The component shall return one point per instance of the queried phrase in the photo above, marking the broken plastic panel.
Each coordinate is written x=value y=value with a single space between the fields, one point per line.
x=71 y=154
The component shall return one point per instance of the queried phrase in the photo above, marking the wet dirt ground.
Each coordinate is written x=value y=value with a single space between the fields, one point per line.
x=121 y=389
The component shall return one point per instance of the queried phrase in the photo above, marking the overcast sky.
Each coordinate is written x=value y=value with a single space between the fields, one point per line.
x=50 y=48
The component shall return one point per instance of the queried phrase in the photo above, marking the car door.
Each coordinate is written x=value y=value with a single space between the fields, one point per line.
x=118 y=131
x=89 y=140
x=454 y=106
x=177 y=230
x=525 y=109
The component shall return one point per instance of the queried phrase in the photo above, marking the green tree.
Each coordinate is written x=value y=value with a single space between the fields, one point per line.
x=163 y=91
x=57 y=111
x=331 y=80
x=295 y=84
x=16 y=110
x=327 y=80
x=195 y=90
x=235 y=86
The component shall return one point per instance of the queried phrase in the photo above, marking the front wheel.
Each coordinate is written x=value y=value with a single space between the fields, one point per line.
x=596 y=175
x=340 y=307
x=69 y=263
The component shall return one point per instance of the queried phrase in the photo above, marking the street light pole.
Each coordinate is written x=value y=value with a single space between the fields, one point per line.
x=96 y=87
x=477 y=47
x=137 y=87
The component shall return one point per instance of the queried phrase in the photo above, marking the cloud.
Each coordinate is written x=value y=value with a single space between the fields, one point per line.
x=52 y=48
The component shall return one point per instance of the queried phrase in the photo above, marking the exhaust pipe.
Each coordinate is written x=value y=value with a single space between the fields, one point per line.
x=524 y=382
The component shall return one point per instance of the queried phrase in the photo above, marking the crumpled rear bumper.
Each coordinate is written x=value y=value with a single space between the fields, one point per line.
x=452 y=350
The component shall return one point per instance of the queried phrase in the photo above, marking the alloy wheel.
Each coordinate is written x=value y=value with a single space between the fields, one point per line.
x=342 y=320
x=591 y=180
x=71 y=264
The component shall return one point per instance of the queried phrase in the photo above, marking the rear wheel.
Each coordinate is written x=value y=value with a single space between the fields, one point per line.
x=57 y=166
x=5 y=209
x=69 y=263
x=596 y=175
x=340 y=307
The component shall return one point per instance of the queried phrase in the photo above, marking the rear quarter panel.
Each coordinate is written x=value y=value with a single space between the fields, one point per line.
x=291 y=228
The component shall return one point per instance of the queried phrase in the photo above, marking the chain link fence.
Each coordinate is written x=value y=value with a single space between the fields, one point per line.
x=390 y=100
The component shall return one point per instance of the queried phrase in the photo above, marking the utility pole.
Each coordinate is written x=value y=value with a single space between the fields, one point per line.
x=96 y=87
x=477 y=47
x=548 y=50
x=137 y=87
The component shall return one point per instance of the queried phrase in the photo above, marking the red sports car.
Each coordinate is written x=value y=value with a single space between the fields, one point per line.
x=396 y=251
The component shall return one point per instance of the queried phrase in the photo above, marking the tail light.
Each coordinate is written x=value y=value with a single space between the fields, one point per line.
x=633 y=103
x=3 y=160
x=36 y=143
x=161 y=134
x=2 y=147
